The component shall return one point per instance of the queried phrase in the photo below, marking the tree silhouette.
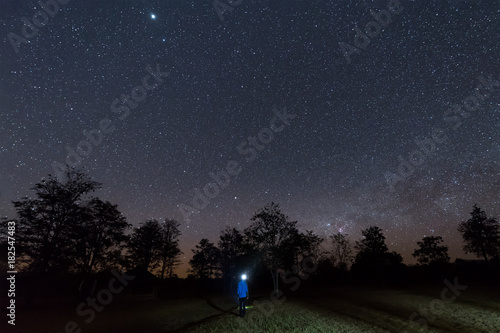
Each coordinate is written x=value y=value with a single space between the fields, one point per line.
x=269 y=234
x=206 y=260
x=278 y=241
x=373 y=242
x=430 y=252
x=45 y=224
x=481 y=235
x=373 y=258
x=231 y=247
x=170 y=252
x=100 y=237
x=341 y=251
x=299 y=246
x=145 y=245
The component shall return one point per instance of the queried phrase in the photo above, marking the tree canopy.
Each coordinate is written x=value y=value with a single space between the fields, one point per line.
x=46 y=223
x=481 y=235
x=373 y=260
x=63 y=228
x=99 y=239
x=206 y=260
x=430 y=252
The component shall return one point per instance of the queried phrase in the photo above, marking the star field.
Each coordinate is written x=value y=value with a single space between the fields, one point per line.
x=221 y=81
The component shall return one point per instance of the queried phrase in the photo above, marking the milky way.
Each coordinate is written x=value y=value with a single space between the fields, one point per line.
x=177 y=107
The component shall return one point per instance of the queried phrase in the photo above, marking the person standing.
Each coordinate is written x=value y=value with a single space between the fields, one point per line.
x=242 y=294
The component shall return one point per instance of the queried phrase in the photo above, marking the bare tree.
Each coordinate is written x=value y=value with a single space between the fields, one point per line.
x=170 y=252
x=341 y=250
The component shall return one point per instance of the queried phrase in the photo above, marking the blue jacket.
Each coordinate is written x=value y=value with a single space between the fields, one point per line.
x=242 y=289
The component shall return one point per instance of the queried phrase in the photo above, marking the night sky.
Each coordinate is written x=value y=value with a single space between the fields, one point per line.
x=158 y=95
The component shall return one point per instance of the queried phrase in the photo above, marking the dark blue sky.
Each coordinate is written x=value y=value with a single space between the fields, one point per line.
x=87 y=67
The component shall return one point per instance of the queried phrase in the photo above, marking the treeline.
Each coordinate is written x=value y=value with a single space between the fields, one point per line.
x=63 y=228
x=274 y=242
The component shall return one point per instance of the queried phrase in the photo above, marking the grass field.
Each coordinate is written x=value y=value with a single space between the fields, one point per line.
x=368 y=311
x=336 y=310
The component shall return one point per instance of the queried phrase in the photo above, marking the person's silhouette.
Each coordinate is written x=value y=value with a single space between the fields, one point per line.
x=242 y=294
